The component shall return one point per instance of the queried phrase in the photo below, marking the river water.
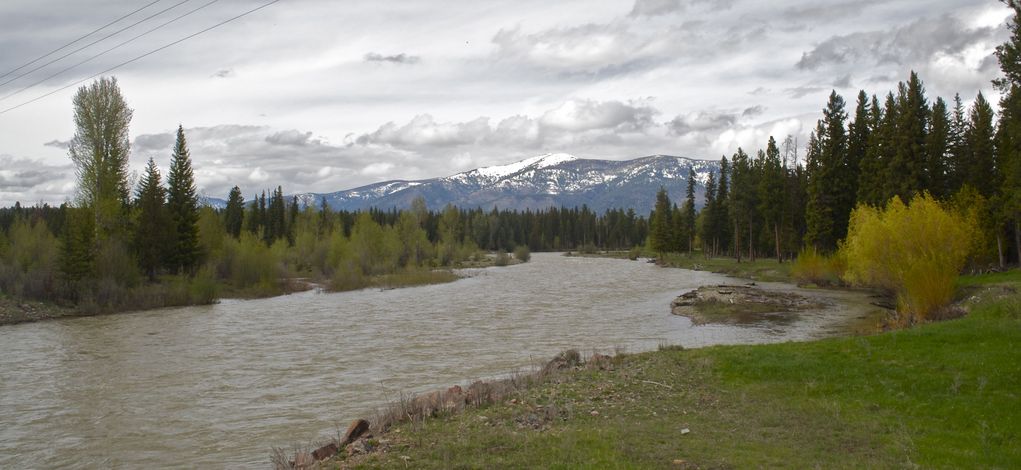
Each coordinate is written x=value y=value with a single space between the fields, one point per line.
x=218 y=386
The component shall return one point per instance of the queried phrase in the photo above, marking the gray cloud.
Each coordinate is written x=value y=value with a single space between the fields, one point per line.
x=662 y=7
x=395 y=59
x=60 y=144
x=903 y=45
x=292 y=138
x=31 y=181
x=753 y=111
x=702 y=121
x=802 y=91
x=224 y=73
x=843 y=82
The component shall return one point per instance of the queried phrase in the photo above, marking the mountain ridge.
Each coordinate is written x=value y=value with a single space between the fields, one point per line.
x=543 y=181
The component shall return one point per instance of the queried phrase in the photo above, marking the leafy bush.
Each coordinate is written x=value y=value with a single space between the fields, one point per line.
x=502 y=259
x=812 y=267
x=915 y=251
x=522 y=253
x=634 y=253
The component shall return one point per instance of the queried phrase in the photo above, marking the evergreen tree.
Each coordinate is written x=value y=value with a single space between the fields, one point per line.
x=708 y=216
x=689 y=211
x=979 y=168
x=937 y=150
x=678 y=231
x=771 y=192
x=234 y=214
x=858 y=135
x=742 y=199
x=660 y=224
x=77 y=247
x=151 y=226
x=907 y=168
x=182 y=205
x=721 y=212
x=1009 y=131
x=830 y=203
x=956 y=147
x=819 y=209
x=875 y=168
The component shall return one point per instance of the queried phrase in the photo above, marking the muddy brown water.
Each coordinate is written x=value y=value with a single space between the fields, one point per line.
x=218 y=386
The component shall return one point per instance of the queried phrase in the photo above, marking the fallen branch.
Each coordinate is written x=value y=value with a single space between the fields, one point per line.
x=657 y=383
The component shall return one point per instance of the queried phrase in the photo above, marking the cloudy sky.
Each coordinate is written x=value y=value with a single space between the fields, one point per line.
x=319 y=95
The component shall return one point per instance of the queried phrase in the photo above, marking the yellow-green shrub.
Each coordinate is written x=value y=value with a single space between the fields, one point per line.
x=915 y=251
x=812 y=267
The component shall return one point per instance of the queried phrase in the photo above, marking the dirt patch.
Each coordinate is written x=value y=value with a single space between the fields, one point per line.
x=734 y=304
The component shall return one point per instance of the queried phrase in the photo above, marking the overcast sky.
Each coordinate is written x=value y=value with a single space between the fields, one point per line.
x=320 y=95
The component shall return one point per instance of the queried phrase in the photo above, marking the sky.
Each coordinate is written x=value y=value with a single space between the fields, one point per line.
x=320 y=95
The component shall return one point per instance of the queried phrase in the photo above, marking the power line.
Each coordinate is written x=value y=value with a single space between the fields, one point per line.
x=217 y=25
x=108 y=50
x=108 y=36
x=37 y=59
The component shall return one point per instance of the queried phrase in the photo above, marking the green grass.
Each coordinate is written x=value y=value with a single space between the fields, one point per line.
x=941 y=395
x=762 y=269
x=1012 y=276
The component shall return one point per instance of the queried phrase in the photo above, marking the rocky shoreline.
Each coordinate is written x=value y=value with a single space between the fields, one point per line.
x=13 y=311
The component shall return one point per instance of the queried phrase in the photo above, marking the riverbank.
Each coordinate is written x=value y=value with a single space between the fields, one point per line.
x=178 y=293
x=937 y=395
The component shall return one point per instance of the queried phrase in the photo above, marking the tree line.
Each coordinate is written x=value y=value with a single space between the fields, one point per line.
x=773 y=203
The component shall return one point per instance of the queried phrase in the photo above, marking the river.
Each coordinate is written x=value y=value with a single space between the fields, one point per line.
x=217 y=386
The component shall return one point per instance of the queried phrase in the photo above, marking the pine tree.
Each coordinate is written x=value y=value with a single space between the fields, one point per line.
x=721 y=212
x=709 y=217
x=874 y=171
x=234 y=214
x=660 y=224
x=689 y=210
x=742 y=199
x=151 y=227
x=957 y=149
x=771 y=192
x=858 y=135
x=182 y=205
x=830 y=203
x=77 y=247
x=907 y=168
x=818 y=209
x=1009 y=131
x=937 y=150
x=979 y=168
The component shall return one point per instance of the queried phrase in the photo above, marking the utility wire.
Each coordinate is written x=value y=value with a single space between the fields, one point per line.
x=217 y=25
x=37 y=59
x=132 y=25
x=179 y=17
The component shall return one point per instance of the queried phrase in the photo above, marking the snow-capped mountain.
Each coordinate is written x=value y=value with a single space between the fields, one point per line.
x=540 y=182
x=547 y=180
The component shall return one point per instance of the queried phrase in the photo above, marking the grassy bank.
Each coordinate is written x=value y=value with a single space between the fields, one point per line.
x=762 y=269
x=941 y=395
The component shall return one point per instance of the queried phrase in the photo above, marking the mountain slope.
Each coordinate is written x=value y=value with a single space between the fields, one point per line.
x=536 y=183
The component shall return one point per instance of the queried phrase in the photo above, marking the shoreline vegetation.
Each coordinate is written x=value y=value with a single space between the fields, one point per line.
x=938 y=394
x=17 y=310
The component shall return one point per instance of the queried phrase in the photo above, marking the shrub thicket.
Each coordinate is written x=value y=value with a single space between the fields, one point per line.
x=813 y=267
x=915 y=251
x=522 y=253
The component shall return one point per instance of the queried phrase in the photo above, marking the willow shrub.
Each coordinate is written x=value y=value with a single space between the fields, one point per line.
x=915 y=251
x=812 y=267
